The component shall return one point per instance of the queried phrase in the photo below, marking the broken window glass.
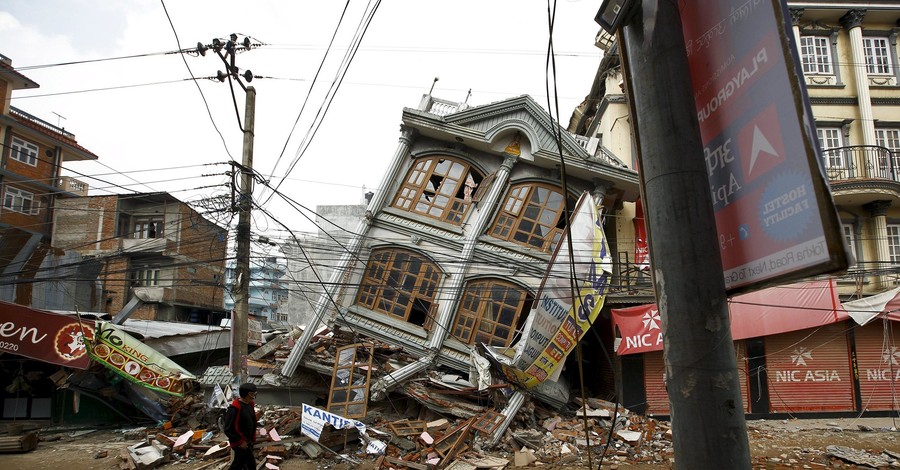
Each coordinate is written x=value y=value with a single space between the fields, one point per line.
x=440 y=188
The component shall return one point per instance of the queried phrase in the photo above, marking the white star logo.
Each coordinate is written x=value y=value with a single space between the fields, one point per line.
x=651 y=320
x=800 y=356
x=760 y=145
x=890 y=356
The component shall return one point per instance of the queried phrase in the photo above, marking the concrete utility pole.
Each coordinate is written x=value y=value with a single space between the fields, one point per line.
x=708 y=424
x=239 y=321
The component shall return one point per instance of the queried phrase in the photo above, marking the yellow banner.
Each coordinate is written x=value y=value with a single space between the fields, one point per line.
x=557 y=323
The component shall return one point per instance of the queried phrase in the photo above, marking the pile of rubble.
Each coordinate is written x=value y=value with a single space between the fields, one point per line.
x=429 y=441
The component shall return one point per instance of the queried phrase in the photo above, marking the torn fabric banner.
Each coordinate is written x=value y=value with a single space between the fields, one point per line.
x=558 y=321
x=137 y=362
x=314 y=420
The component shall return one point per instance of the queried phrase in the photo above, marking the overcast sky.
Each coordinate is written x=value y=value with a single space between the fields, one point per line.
x=147 y=121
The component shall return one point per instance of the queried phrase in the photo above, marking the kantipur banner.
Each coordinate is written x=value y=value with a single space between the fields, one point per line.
x=556 y=323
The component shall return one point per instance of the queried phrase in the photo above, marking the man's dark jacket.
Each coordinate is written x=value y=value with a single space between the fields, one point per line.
x=240 y=423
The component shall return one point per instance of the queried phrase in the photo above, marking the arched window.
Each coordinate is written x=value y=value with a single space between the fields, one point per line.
x=399 y=283
x=439 y=187
x=532 y=216
x=490 y=312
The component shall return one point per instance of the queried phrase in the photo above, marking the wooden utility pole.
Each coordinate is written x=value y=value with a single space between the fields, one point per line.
x=708 y=424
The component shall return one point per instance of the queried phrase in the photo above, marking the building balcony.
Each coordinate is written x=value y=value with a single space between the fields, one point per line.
x=72 y=186
x=160 y=246
x=861 y=162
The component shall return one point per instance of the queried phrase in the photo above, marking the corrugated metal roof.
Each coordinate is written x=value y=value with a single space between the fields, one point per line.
x=151 y=329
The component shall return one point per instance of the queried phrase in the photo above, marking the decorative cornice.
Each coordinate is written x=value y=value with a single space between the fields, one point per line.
x=796 y=14
x=869 y=186
x=407 y=133
x=889 y=101
x=508 y=162
x=402 y=222
x=852 y=101
x=853 y=18
x=877 y=208
x=834 y=101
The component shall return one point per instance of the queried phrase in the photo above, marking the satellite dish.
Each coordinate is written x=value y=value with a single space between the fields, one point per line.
x=201 y=49
x=248 y=75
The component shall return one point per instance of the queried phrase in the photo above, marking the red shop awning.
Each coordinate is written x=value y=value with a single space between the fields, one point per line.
x=765 y=312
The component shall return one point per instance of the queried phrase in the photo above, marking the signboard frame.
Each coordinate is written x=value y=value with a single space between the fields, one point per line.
x=775 y=217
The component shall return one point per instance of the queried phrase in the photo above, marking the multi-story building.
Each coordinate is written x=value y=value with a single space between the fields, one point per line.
x=454 y=246
x=849 y=61
x=151 y=246
x=268 y=291
x=33 y=152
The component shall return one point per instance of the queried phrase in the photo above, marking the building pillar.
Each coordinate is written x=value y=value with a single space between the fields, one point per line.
x=852 y=21
x=878 y=225
x=350 y=253
x=796 y=14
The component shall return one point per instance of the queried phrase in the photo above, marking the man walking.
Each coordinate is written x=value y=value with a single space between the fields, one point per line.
x=240 y=427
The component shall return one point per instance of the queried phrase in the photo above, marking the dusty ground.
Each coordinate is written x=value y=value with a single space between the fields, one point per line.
x=804 y=441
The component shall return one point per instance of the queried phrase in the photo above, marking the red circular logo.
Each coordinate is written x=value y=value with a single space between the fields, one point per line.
x=70 y=340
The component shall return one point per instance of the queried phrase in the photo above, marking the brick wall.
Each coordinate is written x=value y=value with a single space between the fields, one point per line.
x=80 y=222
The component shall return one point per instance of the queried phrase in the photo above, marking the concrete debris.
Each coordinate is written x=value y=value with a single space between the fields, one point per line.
x=18 y=443
x=433 y=420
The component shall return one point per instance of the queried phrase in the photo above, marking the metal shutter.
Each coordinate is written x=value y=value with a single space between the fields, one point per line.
x=809 y=370
x=878 y=358
x=655 y=389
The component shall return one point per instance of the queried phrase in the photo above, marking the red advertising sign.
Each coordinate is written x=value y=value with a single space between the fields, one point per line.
x=775 y=216
x=44 y=336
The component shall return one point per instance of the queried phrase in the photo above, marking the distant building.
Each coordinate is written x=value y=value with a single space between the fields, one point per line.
x=310 y=266
x=268 y=289
x=150 y=245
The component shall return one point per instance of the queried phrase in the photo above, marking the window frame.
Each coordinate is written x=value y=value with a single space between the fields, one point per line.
x=140 y=227
x=412 y=194
x=140 y=277
x=392 y=285
x=20 y=196
x=18 y=146
x=889 y=138
x=820 y=48
x=848 y=230
x=472 y=325
x=893 y=241
x=869 y=48
x=511 y=220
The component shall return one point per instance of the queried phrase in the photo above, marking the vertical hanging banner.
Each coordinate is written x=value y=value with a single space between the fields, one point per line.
x=137 y=362
x=775 y=216
x=556 y=323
